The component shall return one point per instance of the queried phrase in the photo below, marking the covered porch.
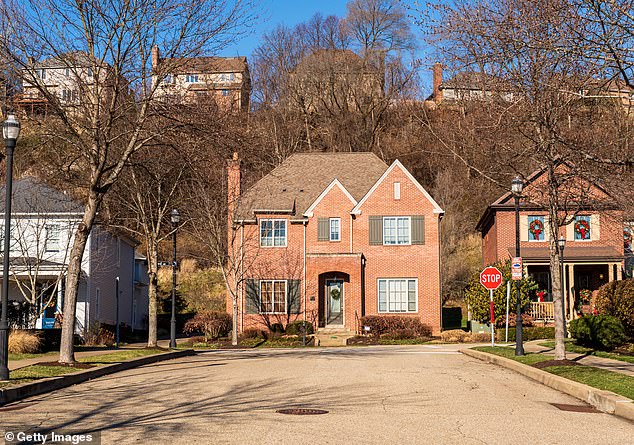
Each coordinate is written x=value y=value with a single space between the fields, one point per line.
x=585 y=270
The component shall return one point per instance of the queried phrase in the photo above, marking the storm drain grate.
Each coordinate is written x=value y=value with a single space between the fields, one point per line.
x=301 y=411
x=575 y=408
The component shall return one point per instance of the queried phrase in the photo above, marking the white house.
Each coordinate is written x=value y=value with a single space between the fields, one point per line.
x=43 y=224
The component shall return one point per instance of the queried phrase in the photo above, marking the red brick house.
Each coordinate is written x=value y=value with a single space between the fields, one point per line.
x=331 y=237
x=594 y=249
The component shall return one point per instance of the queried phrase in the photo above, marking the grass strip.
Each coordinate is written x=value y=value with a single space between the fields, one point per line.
x=578 y=349
x=603 y=379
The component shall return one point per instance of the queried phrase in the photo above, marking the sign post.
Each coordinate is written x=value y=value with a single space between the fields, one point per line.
x=491 y=279
x=508 y=297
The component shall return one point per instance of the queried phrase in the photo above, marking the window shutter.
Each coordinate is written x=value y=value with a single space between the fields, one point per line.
x=376 y=230
x=418 y=229
x=322 y=229
x=523 y=227
x=294 y=297
x=253 y=296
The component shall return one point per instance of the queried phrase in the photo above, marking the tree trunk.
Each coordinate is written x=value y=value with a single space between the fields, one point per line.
x=152 y=337
x=234 y=329
x=73 y=275
x=555 y=278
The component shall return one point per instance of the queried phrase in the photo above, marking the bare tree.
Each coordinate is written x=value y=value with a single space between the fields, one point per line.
x=108 y=49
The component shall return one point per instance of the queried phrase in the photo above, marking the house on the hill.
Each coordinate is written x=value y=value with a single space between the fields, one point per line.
x=223 y=81
x=43 y=224
x=594 y=249
x=332 y=237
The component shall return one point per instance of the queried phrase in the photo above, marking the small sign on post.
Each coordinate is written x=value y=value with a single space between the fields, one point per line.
x=491 y=279
x=516 y=268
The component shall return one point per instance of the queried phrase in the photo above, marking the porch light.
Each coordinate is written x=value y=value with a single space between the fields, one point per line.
x=11 y=129
x=561 y=242
x=517 y=185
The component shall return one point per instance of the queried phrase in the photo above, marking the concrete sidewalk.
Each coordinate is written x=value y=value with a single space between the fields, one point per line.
x=588 y=360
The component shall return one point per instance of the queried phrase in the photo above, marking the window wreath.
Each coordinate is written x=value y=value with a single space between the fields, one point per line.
x=627 y=238
x=582 y=227
x=536 y=227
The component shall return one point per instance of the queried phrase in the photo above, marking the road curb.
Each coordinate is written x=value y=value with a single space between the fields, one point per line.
x=19 y=392
x=605 y=401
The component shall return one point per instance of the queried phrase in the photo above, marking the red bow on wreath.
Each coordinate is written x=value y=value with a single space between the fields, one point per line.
x=536 y=227
x=582 y=227
x=627 y=238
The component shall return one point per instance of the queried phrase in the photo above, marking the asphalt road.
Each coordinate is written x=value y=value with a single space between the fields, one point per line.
x=393 y=395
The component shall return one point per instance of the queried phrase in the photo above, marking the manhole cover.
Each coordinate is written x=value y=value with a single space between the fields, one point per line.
x=575 y=408
x=301 y=411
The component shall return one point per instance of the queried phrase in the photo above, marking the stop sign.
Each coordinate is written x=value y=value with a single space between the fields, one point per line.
x=491 y=278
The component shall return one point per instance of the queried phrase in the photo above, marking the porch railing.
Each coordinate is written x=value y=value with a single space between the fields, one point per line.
x=542 y=310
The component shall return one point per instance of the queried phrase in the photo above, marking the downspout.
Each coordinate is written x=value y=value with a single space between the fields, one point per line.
x=440 y=216
x=241 y=295
x=304 y=272
x=351 y=244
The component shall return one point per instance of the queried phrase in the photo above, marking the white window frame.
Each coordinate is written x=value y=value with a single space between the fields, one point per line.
x=397 y=190
x=388 y=293
x=48 y=241
x=41 y=74
x=528 y=228
x=192 y=78
x=274 y=220
x=272 y=282
x=330 y=221
x=574 y=233
x=396 y=220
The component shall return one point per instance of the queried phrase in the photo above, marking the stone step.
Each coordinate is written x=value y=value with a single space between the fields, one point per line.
x=332 y=336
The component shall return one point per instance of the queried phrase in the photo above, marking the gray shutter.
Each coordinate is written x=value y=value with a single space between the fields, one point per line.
x=418 y=229
x=376 y=230
x=253 y=296
x=323 y=227
x=294 y=295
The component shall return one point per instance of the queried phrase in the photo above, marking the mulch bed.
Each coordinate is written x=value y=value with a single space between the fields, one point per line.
x=75 y=365
x=549 y=363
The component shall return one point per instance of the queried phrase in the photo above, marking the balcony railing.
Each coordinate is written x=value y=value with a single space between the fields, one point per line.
x=542 y=310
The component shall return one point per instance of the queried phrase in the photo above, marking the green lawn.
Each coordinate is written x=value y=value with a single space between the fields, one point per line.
x=575 y=348
x=598 y=378
x=35 y=372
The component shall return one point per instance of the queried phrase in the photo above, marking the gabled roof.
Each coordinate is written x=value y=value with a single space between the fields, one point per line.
x=207 y=64
x=506 y=201
x=295 y=184
x=73 y=58
x=31 y=195
x=397 y=164
x=334 y=183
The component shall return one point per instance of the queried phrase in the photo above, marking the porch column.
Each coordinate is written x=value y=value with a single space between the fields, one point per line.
x=619 y=271
x=610 y=272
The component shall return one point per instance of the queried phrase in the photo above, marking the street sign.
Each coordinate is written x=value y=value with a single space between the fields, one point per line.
x=516 y=268
x=491 y=278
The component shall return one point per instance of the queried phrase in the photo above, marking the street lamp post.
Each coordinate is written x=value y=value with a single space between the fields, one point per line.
x=10 y=131
x=517 y=185
x=175 y=217
x=562 y=244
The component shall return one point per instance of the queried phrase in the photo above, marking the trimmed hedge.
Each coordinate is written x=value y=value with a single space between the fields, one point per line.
x=295 y=328
x=616 y=298
x=395 y=325
x=598 y=331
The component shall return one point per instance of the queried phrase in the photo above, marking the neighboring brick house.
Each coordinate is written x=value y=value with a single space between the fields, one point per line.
x=331 y=237
x=224 y=81
x=594 y=249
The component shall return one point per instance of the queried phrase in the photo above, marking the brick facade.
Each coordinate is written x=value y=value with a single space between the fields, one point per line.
x=352 y=259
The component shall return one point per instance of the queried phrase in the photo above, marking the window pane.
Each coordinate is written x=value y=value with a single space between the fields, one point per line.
x=411 y=296
x=536 y=228
x=266 y=296
x=403 y=231
x=389 y=231
x=382 y=296
x=582 y=228
x=334 y=229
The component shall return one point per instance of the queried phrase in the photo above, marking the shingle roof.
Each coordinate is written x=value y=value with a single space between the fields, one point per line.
x=73 y=58
x=207 y=64
x=31 y=195
x=300 y=179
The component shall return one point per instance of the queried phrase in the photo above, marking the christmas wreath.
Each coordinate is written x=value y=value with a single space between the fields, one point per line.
x=536 y=227
x=582 y=227
x=627 y=238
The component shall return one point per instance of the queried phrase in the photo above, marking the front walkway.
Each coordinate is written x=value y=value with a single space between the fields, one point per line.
x=584 y=359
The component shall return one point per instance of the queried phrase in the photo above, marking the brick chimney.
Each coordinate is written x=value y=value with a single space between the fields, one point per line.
x=233 y=185
x=155 y=57
x=437 y=70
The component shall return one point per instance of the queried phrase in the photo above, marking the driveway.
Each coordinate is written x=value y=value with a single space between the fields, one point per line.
x=419 y=394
